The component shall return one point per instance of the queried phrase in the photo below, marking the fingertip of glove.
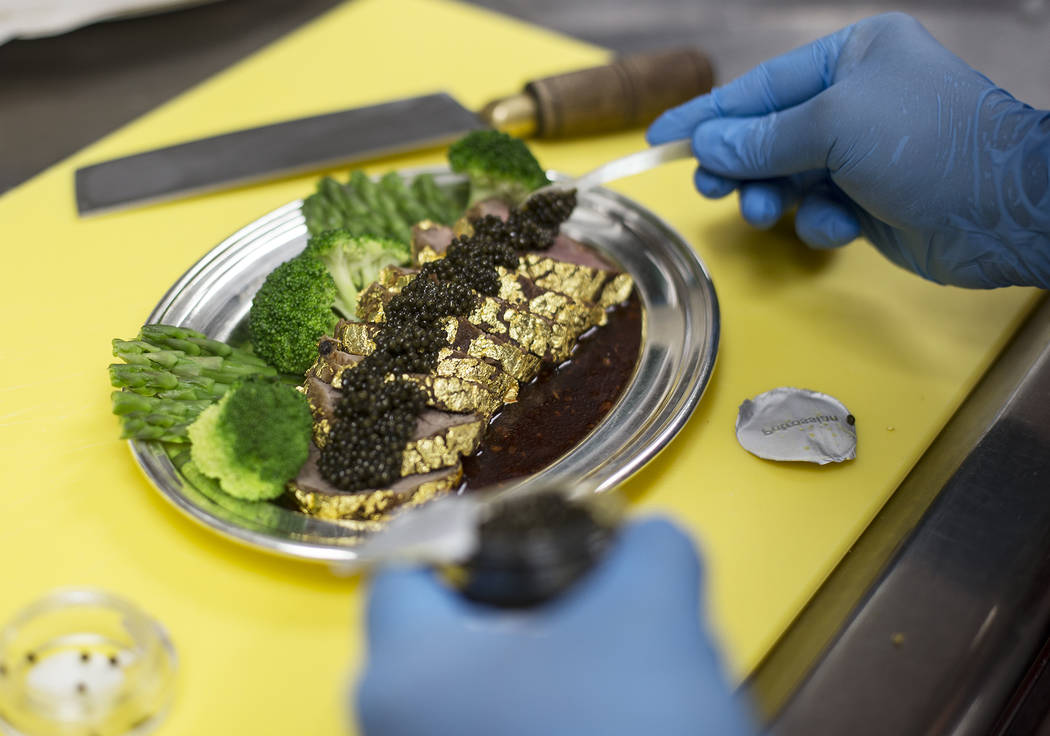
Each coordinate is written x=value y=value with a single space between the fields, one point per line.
x=396 y=579
x=761 y=206
x=722 y=145
x=394 y=588
x=679 y=122
x=667 y=128
x=713 y=186
x=658 y=541
x=824 y=224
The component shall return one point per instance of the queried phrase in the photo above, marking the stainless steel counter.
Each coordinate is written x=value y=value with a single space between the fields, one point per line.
x=936 y=621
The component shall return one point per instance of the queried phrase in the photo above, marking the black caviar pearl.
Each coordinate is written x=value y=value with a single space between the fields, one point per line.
x=326 y=347
x=550 y=209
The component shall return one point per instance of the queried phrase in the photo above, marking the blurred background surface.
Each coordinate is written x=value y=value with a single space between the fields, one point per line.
x=60 y=93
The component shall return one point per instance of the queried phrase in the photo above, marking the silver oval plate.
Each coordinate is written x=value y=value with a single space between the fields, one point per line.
x=680 y=329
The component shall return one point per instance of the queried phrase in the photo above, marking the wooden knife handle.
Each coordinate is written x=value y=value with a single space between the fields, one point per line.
x=630 y=92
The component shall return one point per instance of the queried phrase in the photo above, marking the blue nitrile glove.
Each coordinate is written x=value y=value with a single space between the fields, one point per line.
x=879 y=130
x=621 y=653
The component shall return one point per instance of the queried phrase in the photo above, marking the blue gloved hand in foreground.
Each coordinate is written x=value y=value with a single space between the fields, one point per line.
x=878 y=129
x=622 y=653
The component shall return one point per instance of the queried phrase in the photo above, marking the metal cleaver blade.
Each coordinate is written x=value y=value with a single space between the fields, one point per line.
x=271 y=151
x=628 y=92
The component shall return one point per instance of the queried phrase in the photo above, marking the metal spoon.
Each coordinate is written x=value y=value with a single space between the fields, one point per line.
x=629 y=165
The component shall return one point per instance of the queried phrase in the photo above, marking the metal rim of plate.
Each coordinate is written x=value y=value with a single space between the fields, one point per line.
x=680 y=334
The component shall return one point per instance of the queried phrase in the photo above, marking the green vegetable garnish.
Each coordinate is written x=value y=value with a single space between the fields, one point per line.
x=169 y=375
x=387 y=209
x=354 y=262
x=254 y=440
x=291 y=311
x=497 y=165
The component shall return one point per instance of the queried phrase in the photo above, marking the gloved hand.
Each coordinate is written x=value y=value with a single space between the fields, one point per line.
x=621 y=653
x=878 y=129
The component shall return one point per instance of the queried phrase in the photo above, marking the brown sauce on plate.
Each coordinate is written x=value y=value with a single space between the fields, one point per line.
x=557 y=409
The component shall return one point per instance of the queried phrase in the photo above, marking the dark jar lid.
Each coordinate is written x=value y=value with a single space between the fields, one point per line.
x=532 y=548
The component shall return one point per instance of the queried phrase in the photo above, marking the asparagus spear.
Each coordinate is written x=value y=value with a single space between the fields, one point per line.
x=410 y=209
x=438 y=204
x=169 y=375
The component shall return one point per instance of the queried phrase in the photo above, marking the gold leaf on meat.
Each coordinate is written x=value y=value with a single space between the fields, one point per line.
x=363 y=510
x=617 y=290
x=442 y=450
x=356 y=336
x=364 y=505
x=478 y=370
x=576 y=315
x=519 y=364
x=426 y=254
x=582 y=282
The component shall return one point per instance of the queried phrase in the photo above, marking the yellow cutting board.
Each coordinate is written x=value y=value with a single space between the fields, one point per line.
x=269 y=646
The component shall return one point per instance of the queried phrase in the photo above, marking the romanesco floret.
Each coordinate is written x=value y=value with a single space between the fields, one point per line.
x=497 y=165
x=354 y=262
x=254 y=440
x=291 y=311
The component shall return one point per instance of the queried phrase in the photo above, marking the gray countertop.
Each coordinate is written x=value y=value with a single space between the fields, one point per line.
x=934 y=622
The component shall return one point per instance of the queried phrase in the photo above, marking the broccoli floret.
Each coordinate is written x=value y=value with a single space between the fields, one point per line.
x=291 y=312
x=497 y=165
x=354 y=262
x=254 y=440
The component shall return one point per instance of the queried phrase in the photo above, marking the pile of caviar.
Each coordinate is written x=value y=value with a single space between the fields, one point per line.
x=471 y=262
x=376 y=415
x=379 y=411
